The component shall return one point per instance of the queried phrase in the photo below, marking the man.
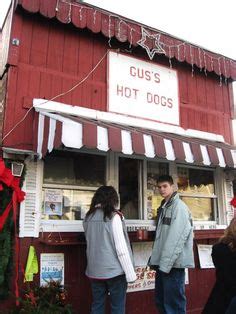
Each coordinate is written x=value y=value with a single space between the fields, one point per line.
x=172 y=249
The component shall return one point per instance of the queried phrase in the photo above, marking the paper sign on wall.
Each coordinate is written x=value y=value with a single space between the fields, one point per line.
x=51 y=268
x=204 y=253
x=53 y=202
x=145 y=279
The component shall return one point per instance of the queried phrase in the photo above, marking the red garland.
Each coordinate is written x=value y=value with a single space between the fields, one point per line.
x=18 y=196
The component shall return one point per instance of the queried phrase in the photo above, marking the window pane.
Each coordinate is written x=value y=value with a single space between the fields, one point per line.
x=86 y=172
x=129 y=187
x=195 y=181
x=75 y=169
x=75 y=204
x=199 y=185
x=154 y=170
x=201 y=208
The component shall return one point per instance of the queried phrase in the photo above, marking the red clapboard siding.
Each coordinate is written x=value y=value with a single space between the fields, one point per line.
x=219 y=105
x=83 y=16
x=76 y=94
x=210 y=93
x=87 y=95
x=9 y=118
x=226 y=99
x=79 y=289
x=23 y=79
x=40 y=45
x=192 y=89
x=85 y=54
x=20 y=137
x=52 y=58
x=66 y=85
x=204 y=121
x=201 y=90
x=99 y=50
x=45 y=86
x=183 y=82
x=210 y=123
x=34 y=83
x=183 y=116
x=227 y=131
x=13 y=55
x=26 y=41
x=71 y=57
x=56 y=87
x=55 y=51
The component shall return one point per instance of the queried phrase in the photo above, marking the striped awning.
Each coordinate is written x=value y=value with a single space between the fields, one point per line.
x=55 y=130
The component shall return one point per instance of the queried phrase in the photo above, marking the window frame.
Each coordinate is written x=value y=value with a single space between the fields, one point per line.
x=51 y=225
x=219 y=196
x=111 y=178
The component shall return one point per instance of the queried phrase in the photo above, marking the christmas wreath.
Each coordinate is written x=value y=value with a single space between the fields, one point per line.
x=10 y=196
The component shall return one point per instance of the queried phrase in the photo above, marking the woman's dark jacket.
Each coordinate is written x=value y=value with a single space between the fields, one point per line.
x=225 y=286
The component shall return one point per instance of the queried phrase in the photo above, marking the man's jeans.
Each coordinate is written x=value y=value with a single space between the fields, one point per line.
x=170 y=291
x=232 y=307
x=116 y=288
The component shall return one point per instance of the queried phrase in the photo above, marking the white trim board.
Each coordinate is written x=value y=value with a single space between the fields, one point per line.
x=42 y=105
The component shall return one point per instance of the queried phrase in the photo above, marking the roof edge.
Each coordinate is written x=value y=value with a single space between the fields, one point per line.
x=125 y=30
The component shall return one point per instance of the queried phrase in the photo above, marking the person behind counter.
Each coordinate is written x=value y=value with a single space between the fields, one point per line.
x=172 y=249
x=109 y=256
x=224 y=259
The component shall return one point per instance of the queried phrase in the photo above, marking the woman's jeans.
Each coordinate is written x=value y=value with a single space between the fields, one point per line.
x=170 y=291
x=116 y=289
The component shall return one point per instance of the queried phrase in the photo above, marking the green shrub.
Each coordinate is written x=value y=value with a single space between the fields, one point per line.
x=50 y=299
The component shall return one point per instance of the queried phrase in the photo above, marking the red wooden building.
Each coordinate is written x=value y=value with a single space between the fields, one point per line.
x=93 y=98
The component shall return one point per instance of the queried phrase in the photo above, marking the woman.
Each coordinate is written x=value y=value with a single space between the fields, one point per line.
x=109 y=256
x=224 y=259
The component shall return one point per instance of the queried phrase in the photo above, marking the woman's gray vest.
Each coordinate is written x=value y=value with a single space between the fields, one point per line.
x=102 y=259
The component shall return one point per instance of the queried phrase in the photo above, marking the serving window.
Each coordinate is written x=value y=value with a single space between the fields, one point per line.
x=197 y=190
x=129 y=186
x=153 y=199
x=69 y=183
x=136 y=200
x=70 y=180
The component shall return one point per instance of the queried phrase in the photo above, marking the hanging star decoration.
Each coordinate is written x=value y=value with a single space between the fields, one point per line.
x=156 y=46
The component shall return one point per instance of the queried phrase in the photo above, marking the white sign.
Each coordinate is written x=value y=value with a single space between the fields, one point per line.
x=145 y=278
x=142 y=89
x=204 y=253
x=53 y=202
x=51 y=268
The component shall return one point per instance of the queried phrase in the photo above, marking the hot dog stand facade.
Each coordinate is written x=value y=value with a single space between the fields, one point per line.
x=105 y=100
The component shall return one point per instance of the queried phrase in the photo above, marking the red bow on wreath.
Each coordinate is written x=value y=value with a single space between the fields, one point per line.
x=12 y=182
x=233 y=202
